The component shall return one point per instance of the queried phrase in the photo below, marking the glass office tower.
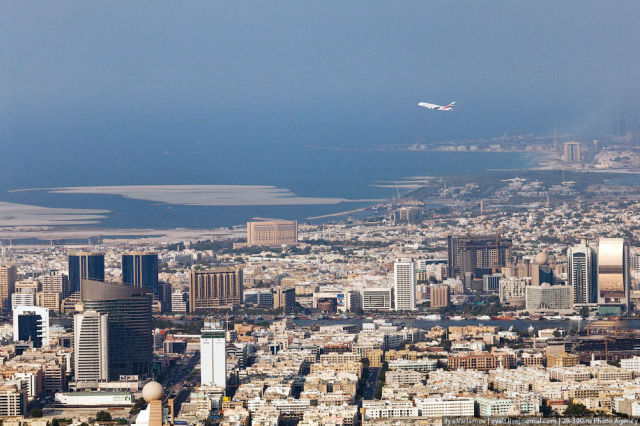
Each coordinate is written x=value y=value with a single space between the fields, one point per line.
x=140 y=270
x=85 y=266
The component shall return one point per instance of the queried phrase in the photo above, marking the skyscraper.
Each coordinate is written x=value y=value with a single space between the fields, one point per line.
x=85 y=266
x=404 y=285
x=213 y=357
x=479 y=254
x=613 y=274
x=218 y=288
x=90 y=348
x=140 y=270
x=128 y=325
x=8 y=278
x=582 y=273
x=31 y=323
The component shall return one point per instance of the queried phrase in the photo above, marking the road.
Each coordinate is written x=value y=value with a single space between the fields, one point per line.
x=372 y=383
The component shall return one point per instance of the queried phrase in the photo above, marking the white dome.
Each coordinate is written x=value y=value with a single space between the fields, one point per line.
x=152 y=391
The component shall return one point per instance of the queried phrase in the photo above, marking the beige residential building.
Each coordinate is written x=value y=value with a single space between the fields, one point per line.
x=562 y=360
x=48 y=300
x=8 y=278
x=272 y=232
x=218 y=288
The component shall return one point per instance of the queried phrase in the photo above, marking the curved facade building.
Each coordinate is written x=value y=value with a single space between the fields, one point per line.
x=613 y=272
x=128 y=325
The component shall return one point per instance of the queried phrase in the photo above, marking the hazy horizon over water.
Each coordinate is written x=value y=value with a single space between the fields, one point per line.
x=307 y=172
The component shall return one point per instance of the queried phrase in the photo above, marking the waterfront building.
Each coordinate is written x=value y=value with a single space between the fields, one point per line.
x=90 y=348
x=582 y=273
x=179 y=301
x=613 y=275
x=548 y=297
x=31 y=323
x=404 y=285
x=213 y=357
x=513 y=290
x=377 y=298
x=85 y=266
x=571 y=152
x=491 y=283
x=8 y=278
x=540 y=270
x=218 y=288
x=439 y=296
x=128 y=325
x=272 y=233
x=140 y=270
x=477 y=254
x=262 y=297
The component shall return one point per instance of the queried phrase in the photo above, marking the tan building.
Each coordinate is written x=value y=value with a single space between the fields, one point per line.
x=481 y=361
x=347 y=367
x=375 y=358
x=439 y=296
x=218 y=288
x=272 y=232
x=48 y=300
x=8 y=278
x=27 y=286
x=562 y=360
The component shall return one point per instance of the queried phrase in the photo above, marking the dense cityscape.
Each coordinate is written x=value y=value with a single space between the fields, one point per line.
x=303 y=213
x=413 y=314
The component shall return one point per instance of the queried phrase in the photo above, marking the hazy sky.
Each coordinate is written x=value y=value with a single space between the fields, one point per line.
x=114 y=76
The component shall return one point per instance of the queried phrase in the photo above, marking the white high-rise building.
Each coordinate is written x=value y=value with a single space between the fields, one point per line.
x=90 y=347
x=404 y=285
x=213 y=357
x=581 y=274
x=22 y=299
x=31 y=323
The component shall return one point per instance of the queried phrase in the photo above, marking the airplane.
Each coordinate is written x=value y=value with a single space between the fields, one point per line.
x=437 y=107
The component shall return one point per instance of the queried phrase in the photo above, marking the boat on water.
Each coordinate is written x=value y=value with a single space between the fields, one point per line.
x=456 y=318
x=575 y=318
x=503 y=318
x=431 y=317
x=484 y=318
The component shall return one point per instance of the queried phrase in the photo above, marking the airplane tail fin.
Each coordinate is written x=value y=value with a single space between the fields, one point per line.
x=450 y=106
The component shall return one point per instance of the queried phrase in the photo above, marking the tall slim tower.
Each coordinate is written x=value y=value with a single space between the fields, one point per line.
x=213 y=357
x=613 y=274
x=85 y=266
x=140 y=270
x=582 y=273
x=8 y=278
x=404 y=284
x=90 y=347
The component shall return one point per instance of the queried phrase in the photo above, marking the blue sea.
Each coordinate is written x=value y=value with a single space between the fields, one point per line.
x=305 y=170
